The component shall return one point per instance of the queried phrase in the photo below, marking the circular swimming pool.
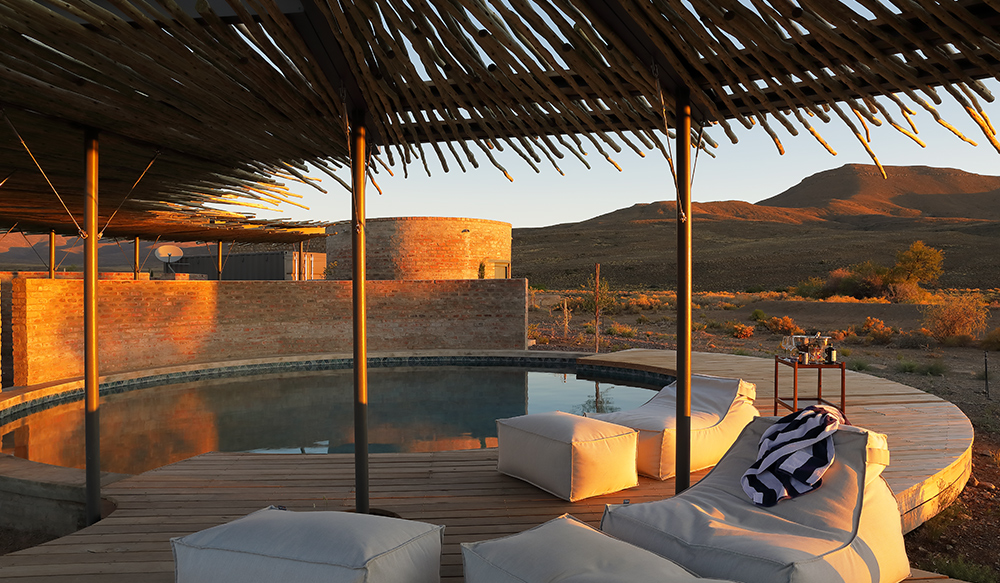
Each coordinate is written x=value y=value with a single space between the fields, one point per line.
x=411 y=408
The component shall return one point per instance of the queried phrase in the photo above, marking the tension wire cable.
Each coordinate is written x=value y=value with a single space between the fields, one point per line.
x=670 y=151
x=148 y=253
x=122 y=203
x=8 y=177
x=39 y=166
x=75 y=243
x=11 y=229
x=44 y=262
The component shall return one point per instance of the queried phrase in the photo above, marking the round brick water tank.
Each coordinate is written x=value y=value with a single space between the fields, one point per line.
x=423 y=248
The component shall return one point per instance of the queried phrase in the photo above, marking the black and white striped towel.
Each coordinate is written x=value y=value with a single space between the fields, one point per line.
x=793 y=455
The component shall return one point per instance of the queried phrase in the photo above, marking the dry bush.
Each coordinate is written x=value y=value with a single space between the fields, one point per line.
x=957 y=315
x=623 y=330
x=959 y=341
x=784 y=326
x=742 y=331
x=905 y=292
x=915 y=339
x=878 y=331
x=991 y=341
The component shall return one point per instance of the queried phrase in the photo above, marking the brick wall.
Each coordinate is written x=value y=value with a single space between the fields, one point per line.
x=146 y=324
x=420 y=248
x=6 y=338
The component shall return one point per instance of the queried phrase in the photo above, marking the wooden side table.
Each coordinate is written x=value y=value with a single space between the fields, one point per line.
x=794 y=363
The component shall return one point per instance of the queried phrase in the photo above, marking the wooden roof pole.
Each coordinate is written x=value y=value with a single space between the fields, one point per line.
x=683 y=449
x=135 y=261
x=91 y=395
x=358 y=176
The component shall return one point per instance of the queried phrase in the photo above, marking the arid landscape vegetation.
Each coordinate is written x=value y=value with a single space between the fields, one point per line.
x=834 y=255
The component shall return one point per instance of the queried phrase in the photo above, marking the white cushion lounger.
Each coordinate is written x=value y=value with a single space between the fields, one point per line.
x=845 y=531
x=720 y=409
x=564 y=550
x=333 y=547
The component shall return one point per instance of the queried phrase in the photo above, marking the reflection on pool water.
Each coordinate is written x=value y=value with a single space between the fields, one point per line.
x=410 y=410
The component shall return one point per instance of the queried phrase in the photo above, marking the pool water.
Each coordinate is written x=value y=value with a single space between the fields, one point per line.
x=410 y=410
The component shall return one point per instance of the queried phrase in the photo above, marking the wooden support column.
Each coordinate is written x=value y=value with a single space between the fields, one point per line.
x=302 y=260
x=52 y=254
x=218 y=260
x=358 y=177
x=135 y=261
x=92 y=427
x=683 y=445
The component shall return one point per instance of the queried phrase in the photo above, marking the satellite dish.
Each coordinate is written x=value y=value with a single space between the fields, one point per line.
x=169 y=253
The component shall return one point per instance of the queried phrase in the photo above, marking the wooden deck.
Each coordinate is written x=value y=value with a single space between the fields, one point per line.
x=930 y=443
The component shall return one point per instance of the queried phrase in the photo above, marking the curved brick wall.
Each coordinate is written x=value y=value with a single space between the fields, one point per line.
x=420 y=248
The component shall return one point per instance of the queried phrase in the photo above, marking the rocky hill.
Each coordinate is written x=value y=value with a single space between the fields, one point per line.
x=832 y=219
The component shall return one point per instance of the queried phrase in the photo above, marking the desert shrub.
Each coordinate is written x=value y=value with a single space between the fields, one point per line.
x=642 y=319
x=905 y=292
x=810 y=288
x=741 y=352
x=845 y=352
x=907 y=366
x=758 y=315
x=914 y=339
x=784 y=326
x=713 y=324
x=958 y=568
x=859 y=365
x=729 y=306
x=991 y=341
x=958 y=341
x=616 y=329
x=935 y=368
x=742 y=330
x=841 y=282
x=698 y=325
x=840 y=335
x=542 y=340
x=644 y=302
x=957 y=315
x=878 y=331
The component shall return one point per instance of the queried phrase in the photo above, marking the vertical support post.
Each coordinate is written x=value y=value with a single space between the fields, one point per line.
x=302 y=260
x=92 y=426
x=218 y=259
x=597 y=308
x=683 y=129
x=52 y=254
x=358 y=177
x=136 y=261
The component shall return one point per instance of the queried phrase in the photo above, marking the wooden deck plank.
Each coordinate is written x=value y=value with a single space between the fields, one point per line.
x=930 y=443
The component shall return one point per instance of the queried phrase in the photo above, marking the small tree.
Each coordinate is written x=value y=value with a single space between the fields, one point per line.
x=919 y=263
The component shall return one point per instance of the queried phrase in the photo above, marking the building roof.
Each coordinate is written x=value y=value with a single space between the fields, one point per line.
x=234 y=97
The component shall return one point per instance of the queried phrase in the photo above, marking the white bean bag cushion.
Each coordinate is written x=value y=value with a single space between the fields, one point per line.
x=846 y=530
x=720 y=409
x=565 y=550
x=286 y=547
x=570 y=456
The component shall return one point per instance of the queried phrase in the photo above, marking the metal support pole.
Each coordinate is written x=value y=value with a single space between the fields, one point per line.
x=91 y=395
x=218 y=259
x=358 y=174
x=683 y=453
x=52 y=254
x=136 y=261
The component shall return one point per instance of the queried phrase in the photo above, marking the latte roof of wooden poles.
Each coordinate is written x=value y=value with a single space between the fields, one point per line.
x=231 y=99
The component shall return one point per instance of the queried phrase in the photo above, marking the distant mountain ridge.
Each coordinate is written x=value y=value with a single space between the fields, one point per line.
x=849 y=191
x=832 y=219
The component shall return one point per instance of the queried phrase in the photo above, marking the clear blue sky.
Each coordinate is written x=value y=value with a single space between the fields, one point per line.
x=750 y=170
